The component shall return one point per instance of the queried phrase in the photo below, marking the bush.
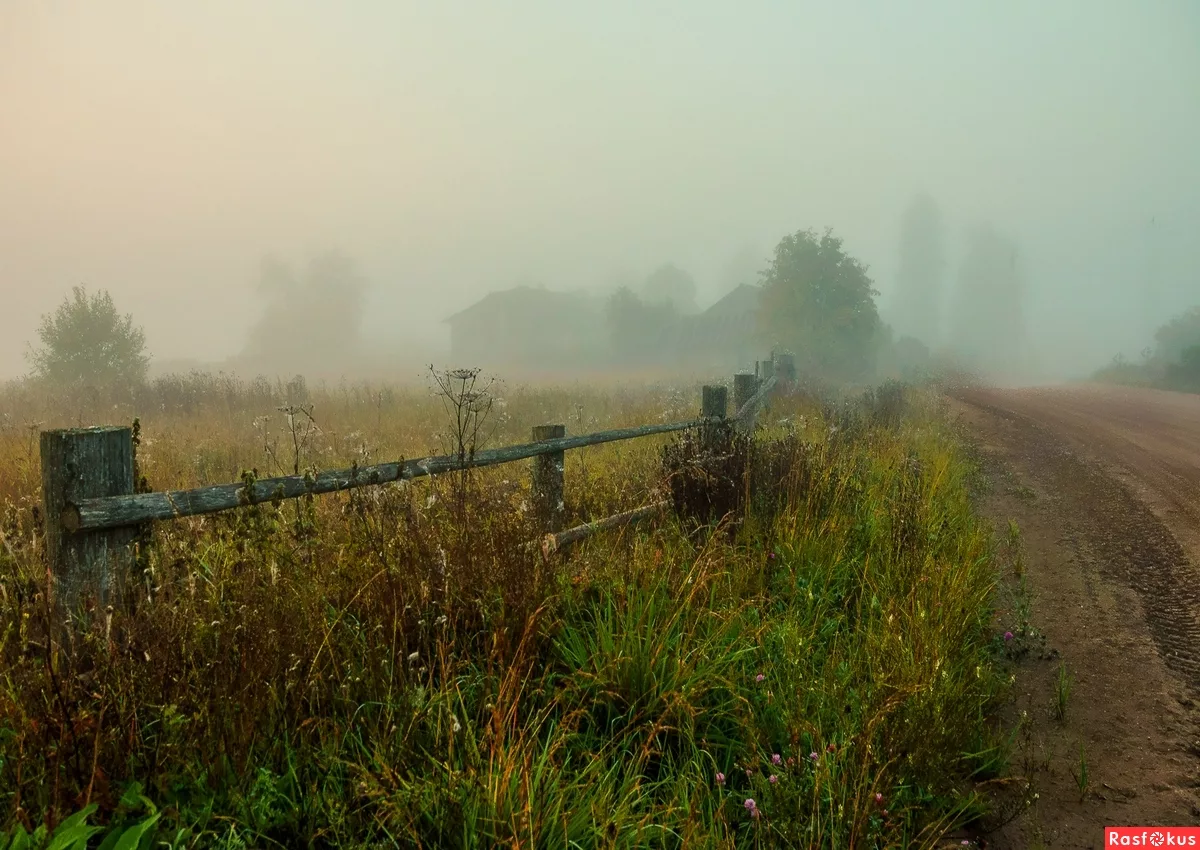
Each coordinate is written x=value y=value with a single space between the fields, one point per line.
x=87 y=343
x=1185 y=375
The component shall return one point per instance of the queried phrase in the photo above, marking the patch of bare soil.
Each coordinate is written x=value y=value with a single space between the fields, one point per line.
x=1102 y=485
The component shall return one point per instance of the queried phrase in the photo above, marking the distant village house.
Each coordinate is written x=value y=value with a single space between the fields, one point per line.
x=540 y=330
x=529 y=328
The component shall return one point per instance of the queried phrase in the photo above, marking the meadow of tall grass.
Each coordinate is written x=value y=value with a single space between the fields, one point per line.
x=808 y=659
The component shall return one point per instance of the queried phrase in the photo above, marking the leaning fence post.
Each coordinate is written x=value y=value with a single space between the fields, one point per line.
x=744 y=385
x=86 y=463
x=546 y=480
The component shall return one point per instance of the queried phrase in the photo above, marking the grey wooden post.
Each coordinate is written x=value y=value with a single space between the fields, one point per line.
x=546 y=482
x=766 y=369
x=714 y=402
x=85 y=463
x=744 y=385
x=714 y=406
x=785 y=367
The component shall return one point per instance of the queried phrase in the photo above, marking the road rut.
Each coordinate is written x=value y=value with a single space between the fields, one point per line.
x=1105 y=485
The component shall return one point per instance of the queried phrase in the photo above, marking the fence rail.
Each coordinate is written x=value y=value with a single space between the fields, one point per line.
x=92 y=514
x=125 y=510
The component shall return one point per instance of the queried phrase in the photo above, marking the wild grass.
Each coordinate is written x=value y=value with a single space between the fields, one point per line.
x=391 y=667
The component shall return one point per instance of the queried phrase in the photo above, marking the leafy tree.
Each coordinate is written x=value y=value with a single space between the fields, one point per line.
x=904 y=357
x=86 y=342
x=818 y=301
x=1178 y=335
x=1185 y=374
x=640 y=332
x=917 y=308
x=669 y=284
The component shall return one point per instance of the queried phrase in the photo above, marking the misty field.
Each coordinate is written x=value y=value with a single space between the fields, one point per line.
x=802 y=653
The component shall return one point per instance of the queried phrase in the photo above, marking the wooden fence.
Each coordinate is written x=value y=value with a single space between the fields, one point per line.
x=92 y=514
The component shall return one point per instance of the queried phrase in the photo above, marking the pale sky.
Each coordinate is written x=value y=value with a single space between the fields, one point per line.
x=160 y=149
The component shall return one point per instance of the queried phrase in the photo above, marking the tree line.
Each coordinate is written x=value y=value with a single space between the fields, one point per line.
x=816 y=301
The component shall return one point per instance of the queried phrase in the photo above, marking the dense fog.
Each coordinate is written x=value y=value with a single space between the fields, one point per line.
x=317 y=188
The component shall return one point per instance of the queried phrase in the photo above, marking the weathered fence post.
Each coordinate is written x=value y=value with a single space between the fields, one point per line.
x=86 y=463
x=766 y=369
x=546 y=483
x=744 y=385
x=714 y=401
x=714 y=407
x=785 y=367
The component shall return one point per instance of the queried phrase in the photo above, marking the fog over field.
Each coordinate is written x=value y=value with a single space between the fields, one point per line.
x=192 y=158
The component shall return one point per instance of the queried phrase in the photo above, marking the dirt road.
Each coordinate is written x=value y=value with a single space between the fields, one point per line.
x=1104 y=484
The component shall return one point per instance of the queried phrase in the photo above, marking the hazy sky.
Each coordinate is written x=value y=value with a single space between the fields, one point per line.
x=161 y=149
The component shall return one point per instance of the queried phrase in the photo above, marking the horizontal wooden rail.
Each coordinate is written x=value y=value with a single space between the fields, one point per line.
x=128 y=510
x=92 y=512
x=552 y=543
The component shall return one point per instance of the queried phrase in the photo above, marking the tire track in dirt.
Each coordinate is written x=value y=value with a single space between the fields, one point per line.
x=1092 y=447
x=1104 y=485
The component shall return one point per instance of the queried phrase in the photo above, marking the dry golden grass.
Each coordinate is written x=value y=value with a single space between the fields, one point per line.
x=391 y=667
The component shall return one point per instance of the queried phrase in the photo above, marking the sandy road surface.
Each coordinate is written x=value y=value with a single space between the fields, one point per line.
x=1150 y=438
x=1149 y=441
x=1105 y=485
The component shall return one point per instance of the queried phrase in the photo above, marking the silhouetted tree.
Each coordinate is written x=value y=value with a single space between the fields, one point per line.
x=86 y=342
x=1185 y=373
x=818 y=302
x=669 y=284
x=1178 y=335
x=639 y=332
x=313 y=319
x=919 y=280
x=989 y=322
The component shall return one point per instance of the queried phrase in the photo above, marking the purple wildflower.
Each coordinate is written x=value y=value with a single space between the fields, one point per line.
x=814 y=756
x=1008 y=636
x=772 y=779
x=759 y=677
x=720 y=779
x=777 y=759
x=751 y=807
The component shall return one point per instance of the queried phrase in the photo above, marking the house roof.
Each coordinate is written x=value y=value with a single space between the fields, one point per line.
x=737 y=302
x=521 y=298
